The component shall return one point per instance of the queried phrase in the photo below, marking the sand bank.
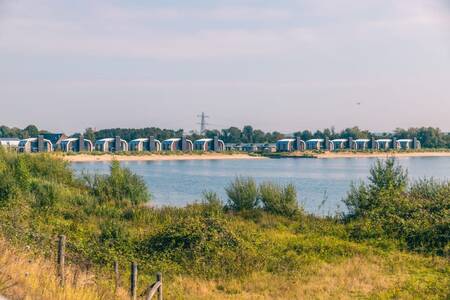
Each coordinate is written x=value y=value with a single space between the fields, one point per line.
x=218 y=156
x=381 y=154
x=156 y=157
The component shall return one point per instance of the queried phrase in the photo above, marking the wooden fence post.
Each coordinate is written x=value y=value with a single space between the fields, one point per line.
x=116 y=277
x=61 y=259
x=133 y=281
x=160 y=290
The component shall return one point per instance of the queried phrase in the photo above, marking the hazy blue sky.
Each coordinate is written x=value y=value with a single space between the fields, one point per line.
x=284 y=65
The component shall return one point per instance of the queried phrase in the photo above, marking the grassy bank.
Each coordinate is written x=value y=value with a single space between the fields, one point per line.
x=257 y=245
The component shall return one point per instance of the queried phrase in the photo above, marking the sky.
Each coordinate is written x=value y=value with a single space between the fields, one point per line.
x=283 y=65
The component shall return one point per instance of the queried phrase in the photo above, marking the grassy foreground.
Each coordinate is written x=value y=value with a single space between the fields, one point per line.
x=206 y=251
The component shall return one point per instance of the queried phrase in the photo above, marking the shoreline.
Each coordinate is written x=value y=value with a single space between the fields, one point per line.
x=156 y=157
x=219 y=156
x=383 y=154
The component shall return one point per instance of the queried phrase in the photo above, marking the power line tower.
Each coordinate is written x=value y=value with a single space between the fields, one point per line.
x=202 y=123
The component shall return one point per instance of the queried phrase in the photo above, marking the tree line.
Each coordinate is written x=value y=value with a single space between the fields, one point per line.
x=430 y=137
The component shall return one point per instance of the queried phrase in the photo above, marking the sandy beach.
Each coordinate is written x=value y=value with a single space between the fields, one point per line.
x=218 y=156
x=157 y=157
x=382 y=154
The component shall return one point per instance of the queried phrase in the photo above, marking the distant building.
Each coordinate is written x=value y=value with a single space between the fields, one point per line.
x=177 y=144
x=251 y=147
x=145 y=144
x=111 y=145
x=338 y=144
x=38 y=144
x=383 y=144
x=76 y=145
x=315 y=144
x=407 y=144
x=10 y=143
x=55 y=139
x=233 y=147
x=290 y=144
x=208 y=144
x=360 y=144
x=269 y=148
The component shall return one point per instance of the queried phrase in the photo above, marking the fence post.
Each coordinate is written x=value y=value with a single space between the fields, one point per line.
x=61 y=259
x=160 y=290
x=116 y=277
x=133 y=281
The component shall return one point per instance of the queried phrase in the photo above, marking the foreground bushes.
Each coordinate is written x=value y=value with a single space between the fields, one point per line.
x=206 y=240
x=417 y=215
x=200 y=245
x=120 y=185
x=244 y=195
x=280 y=200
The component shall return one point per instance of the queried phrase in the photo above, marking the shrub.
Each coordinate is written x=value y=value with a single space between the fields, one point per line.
x=212 y=202
x=385 y=177
x=8 y=188
x=211 y=198
x=121 y=185
x=388 y=174
x=242 y=194
x=416 y=216
x=47 y=167
x=45 y=194
x=280 y=200
x=204 y=246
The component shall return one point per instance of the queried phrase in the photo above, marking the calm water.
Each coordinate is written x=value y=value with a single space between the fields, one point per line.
x=321 y=183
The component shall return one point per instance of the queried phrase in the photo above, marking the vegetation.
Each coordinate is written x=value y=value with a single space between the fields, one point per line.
x=207 y=251
x=417 y=215
x=121 y=185
x=279 y=200
x=27 y=132
x=428 y=136
x=242 y=194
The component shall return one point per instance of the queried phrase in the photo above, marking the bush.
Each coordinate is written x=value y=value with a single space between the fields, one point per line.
x=212 y=202
x=242 y=194
x=203 y=246
x=120 y=186
x=8 y=188
x=45 y=194
x=280 y=200
x=385 y=177
x=44 y=166
x=385 y=207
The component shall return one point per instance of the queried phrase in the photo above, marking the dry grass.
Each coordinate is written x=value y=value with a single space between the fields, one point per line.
x=23 y=276
x=355 y=277
x=397 y=275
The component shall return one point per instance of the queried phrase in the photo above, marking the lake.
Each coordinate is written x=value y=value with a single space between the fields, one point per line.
x=321 y=183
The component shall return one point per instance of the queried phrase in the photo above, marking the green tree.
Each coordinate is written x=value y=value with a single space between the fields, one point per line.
x=247 y=134
x=30 y=131
x=89 y=134
x=231 y=135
